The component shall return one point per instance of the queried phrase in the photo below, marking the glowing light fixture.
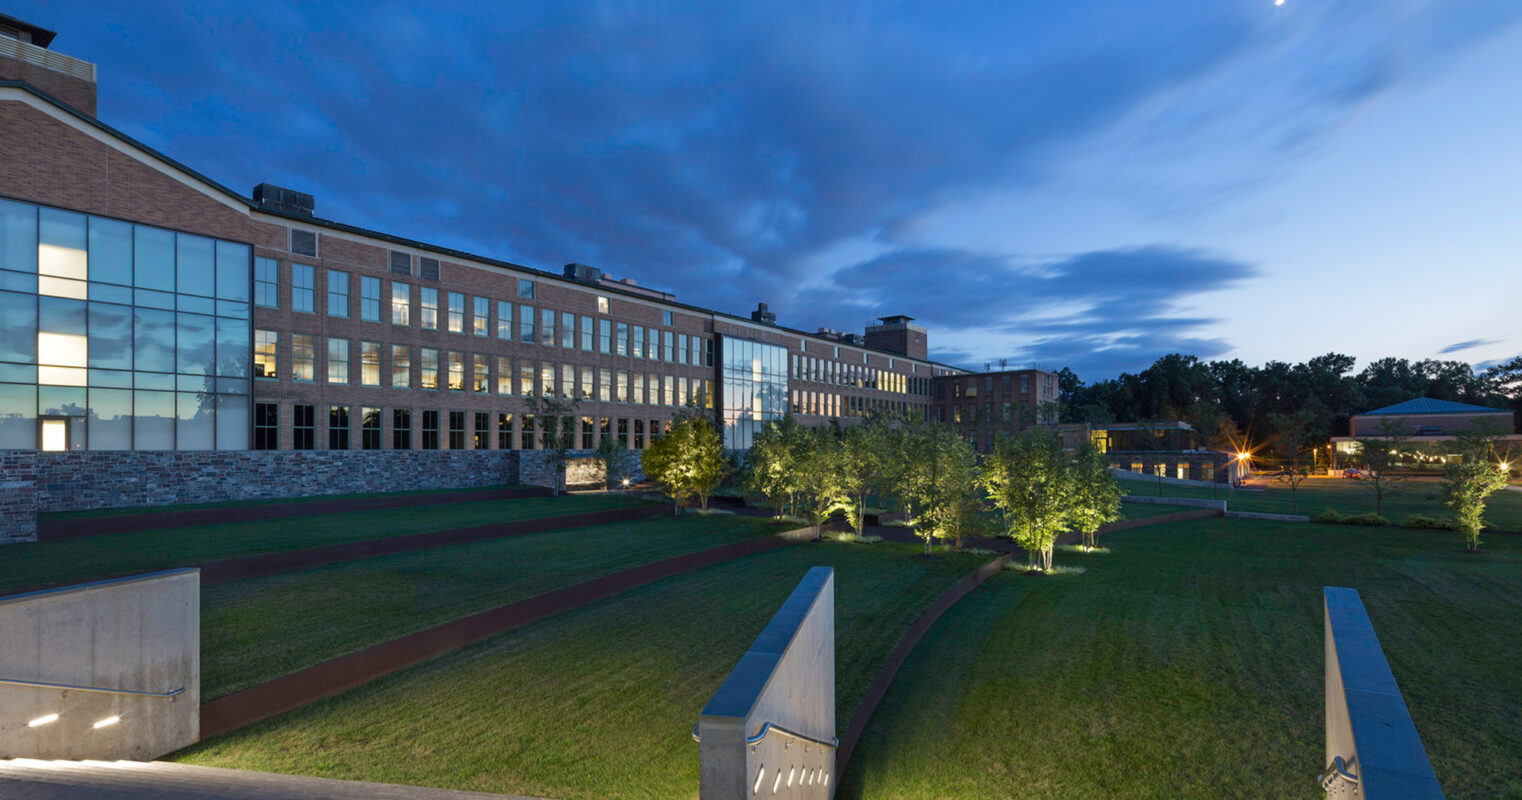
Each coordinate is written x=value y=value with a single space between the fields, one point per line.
x=42 y=720
x=626 y=482
x=107 y=722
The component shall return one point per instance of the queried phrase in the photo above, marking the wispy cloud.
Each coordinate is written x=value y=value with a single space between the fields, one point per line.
x=1466 y=345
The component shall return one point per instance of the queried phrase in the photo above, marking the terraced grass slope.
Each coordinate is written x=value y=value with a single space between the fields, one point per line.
x=1188 y=662
x=600 y=701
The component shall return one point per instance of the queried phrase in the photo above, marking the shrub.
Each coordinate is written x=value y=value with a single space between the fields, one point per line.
x=1366 y=519
x=979 y=551
x=1329 y=516
x=1078 y=548
x=857 y=538
x=706 y=512
x=1434 y=523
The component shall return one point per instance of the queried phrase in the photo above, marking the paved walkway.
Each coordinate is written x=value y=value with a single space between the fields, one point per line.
x=26 y=779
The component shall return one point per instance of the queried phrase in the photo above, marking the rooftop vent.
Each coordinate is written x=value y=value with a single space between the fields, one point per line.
x=583 y=273
x=278 y=198
x=763 y=316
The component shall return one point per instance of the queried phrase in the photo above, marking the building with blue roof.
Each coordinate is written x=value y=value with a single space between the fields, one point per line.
x=1432 y=427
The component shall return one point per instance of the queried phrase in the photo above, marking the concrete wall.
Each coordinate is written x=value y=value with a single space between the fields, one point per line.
x=1191 y=502
x=787 y=679
x=1367 y=724
x=140 y=634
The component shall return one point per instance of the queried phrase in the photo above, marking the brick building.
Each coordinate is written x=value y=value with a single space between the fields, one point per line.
x=984 y=404
x=144 y=306
x=1430 y=429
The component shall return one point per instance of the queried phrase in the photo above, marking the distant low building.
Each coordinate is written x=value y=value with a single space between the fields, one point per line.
x=1431 y=427
x=1170 y=449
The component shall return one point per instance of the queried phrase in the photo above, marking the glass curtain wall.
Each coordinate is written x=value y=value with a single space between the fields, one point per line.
x=115 y=336
x=754 y=377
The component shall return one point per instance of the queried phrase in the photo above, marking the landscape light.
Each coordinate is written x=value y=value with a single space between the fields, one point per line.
x=626 y=483
x=42 y=720
x=106 y=723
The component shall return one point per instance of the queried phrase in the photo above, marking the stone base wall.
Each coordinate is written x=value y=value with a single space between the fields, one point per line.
x=117 y=479
x=583 y=468
x=18 y=496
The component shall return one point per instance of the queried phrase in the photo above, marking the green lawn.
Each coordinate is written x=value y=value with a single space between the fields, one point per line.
x=259 y=629
x=65 y=560
x=1188 y=662
x=1423 y=497
x=275 y=501
x=1140 y=510
x=598 y=702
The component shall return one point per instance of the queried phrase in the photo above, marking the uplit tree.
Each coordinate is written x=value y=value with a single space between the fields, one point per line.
x=774 y=463
x=614 y=458
x=820 y=463
x=556 y=420
x=688 y=462
x=1031 y=482
x=863 y=452
x=1096 y=497
x=934 y=469
x=1468 y=482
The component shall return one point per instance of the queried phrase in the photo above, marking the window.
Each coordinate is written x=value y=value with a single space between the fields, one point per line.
x=266 y=426
x=586 y=334
x=567 y=330
x=604 y=336
x=266 y=361
x=369 y=428
x=369 y=363
x=338 y=427
x=504 y=376
x=429 y=371
x=525 y=289
x=666 y=318
x=338 y=361
x=400 y=263
x=547 y=327
x=456 y=371
x=303 y=426
x=587 y=433
x=526 y=432
x=456 y=312
x=303 y=358
x=639 y=388
x=401 y=303
x=602 y=304
x=338 y=293
x=623 y=433
x=401 y=429
x=604 y=386
x=401 y=366
x=504 y=431
x=639 y=434
x=668 y=384
x=586 y=383
x=430 y=430
x=526 y=373
x=504 y=320
x=669 y=346
x=480 y=374
x=526 y=324
x=303 y=287
x=369 y=298
x=266 y=283
x=480 y=316
x=621 y=388
x=481 y=435
x=429 y=318
x=621 y=342
x=428 y=268
x=637 y=349
x=681 y=348
x=547 y=380
x=457 y=430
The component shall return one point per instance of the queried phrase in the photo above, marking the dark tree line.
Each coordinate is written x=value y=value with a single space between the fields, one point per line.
x=1230 y=402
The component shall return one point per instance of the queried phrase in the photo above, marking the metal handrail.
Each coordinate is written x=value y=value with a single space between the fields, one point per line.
x=1335 y=771
x=98 y=689
x=768 y=728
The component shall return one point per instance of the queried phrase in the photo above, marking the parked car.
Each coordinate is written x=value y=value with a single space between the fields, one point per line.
x=1354 y=474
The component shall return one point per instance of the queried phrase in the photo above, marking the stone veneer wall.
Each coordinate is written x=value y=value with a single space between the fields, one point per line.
x=583 y=469
x=18 y=496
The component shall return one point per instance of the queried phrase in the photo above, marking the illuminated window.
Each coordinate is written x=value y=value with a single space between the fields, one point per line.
x=429 y=305
x=266 y=361
x=401 y=366
x=338 y=360
x=456 y=312
x=480 y=316
x=401 y=303
x=456 y=371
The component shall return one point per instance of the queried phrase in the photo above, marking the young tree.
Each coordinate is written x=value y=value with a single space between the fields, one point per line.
x=863 y=452
x=1294 y=446
x=1379 y=455
x=774 y=463
x=556 y=419
x=1467 y=484
x=820 y=464
x=688 y=462
x=1096 y=497
x=1031 y=482
x=933 y=468
x=614 y=458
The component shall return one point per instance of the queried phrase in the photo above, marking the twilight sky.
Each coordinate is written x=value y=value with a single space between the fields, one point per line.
x=1085 y=184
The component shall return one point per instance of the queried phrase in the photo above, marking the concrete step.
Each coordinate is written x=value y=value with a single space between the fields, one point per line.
x=30 y=779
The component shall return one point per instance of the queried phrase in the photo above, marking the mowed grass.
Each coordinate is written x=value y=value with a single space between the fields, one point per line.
x=67 y=560
x=259 y=629
x=273 y=501
x=1142 y=510
x=1424 y=497
x=598 y=702
x=1188 y=662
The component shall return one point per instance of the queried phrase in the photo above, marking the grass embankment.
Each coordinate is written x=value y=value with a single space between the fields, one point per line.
x=68 y=560
x=1141 y=510
x=598 y=702
x=258 y=629
x=1188 y=662
x=1424 y=497
x=273 y=501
